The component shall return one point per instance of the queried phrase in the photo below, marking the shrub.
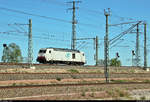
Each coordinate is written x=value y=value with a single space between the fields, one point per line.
x=14 y=84
x=73 y=71
x=110 y=92
x=143 y=98
x=118 y=81
x=92 y=94
x=83 y=93
x=122 y=93
x=115 y=62
x=58 y=78
x=117 y=93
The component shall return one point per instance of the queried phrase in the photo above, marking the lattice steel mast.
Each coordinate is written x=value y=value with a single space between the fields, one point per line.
x=30 y=44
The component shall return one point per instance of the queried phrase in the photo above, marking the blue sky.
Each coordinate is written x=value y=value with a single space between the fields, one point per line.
x=91 y=23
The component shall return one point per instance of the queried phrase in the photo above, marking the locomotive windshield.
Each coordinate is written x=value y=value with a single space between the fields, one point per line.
x=42 y=51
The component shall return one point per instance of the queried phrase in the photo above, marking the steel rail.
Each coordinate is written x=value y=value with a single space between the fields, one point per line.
x=79 y=84
x=73 y=73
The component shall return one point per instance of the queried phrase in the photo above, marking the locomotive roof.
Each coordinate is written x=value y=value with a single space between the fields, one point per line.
x=63 y=49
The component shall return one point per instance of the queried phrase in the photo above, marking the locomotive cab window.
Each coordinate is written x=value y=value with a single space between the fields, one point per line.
x=73 y=56
x=42 y=51
x=49 y=51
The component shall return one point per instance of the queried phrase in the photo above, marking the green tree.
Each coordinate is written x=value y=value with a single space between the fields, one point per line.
x=12 y=53
x=115 y=62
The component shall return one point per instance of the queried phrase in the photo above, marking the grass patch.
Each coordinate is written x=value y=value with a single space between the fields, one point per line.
x=14 y=84
x=6 y=71
x=86 y=89
x=92 y=89
x=122 y=93
x=99 y=71
x=119 y=81
x=111 y=93
x=132 y=71
x=73 y=71
x=116 y=93
x=143 y=98
x=147 y=80
x=92 y=94
x=83 y=93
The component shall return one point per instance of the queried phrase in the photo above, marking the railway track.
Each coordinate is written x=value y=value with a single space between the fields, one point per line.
x=78 y=84
x=44 y=76
x=40 y=66
x=31 y=73
x=85 y=66
x=19 y=89
x=55 y=89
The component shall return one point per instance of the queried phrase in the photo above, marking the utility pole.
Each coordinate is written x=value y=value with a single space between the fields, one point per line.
x=73 y=27
x=106 y=49
x=145 y=48
x=137 y=47
x=30 y=45
x=97 y=50
x=74 y=22
x=95 y=45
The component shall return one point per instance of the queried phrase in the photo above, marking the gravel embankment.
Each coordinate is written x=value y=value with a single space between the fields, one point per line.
x=123 y=68
x=140 y=94
x=112 y=91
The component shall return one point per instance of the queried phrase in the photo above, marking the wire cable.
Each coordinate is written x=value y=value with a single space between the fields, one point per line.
x=22 y=12
x=52 y=18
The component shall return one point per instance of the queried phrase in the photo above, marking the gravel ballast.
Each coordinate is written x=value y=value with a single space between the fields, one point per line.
x=21 y=92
